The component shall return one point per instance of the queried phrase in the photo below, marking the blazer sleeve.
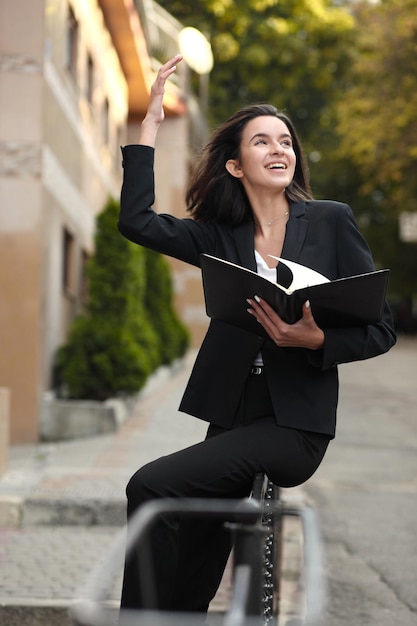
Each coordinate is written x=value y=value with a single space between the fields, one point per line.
x=182 y=238
x=343 y=345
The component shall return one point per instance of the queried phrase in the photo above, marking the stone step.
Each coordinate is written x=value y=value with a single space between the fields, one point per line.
x=30 y=613
x=18 y=511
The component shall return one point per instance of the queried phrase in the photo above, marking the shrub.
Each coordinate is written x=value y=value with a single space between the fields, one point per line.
x=112 y=348
x=173 y=337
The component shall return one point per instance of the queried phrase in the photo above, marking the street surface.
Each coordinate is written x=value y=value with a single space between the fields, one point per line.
x=62 y=503
x=365 y=494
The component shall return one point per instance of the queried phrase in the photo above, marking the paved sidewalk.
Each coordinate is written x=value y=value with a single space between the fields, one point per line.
x=83 y=481
x=61 y=504
x=365 y=494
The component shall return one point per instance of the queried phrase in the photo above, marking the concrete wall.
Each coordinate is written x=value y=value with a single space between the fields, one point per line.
x=20 y=208
x=4 y=428
x=57 y=170
x=56 y=173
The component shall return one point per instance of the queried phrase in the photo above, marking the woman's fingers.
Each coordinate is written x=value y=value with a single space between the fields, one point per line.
x=304 y=334
x=164 y=73
x=155 y=110
x=262 y=309
x=265 y=315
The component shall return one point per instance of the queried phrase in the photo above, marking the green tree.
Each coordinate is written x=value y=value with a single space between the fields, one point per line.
x=296 y=54
x=292 y=53
x=173 y=337
x=376 y=155
x=112 y=347
x=378 y=112
x=346 y=73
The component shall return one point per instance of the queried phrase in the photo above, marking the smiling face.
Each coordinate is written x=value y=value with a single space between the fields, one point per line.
x=267 y=159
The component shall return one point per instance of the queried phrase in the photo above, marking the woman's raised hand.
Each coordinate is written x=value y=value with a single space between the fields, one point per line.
x=155 y=113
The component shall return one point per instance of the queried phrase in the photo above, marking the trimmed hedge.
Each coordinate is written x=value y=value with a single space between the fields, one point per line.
x=129 y=326
x=173 y=337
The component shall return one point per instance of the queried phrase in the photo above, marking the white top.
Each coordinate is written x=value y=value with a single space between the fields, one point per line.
x=270 y=273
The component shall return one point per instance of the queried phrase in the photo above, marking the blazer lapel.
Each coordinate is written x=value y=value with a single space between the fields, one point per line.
x=245 y=237
x=297 y=227
x=295 y=235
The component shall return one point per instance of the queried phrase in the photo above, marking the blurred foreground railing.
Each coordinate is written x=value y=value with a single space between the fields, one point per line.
x=251 y=522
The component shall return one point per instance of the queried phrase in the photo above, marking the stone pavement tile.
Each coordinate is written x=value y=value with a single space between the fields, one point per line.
x=35 y=615
x=292 y=582
x=83 y=482
x=42 y=564
x=69 y=500
x=46 y=568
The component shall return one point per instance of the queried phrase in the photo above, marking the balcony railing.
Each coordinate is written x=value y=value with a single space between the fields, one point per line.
x=161 y=32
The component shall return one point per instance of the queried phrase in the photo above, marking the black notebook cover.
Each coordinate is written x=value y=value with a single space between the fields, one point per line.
x=345 y=302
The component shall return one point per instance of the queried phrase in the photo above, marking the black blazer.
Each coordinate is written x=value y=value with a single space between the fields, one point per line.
x=303 y=383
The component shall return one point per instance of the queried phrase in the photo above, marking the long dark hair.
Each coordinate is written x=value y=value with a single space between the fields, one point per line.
x=213 y=194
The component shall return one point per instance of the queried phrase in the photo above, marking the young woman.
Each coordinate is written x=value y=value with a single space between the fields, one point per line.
x=270 y=403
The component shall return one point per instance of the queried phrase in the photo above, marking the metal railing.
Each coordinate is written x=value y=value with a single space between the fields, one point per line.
x=161 y=31
x=247 y=602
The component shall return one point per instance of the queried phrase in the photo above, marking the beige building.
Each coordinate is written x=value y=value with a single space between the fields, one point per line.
x=74 y=85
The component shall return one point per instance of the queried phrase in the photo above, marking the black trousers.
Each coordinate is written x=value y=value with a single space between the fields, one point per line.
x=189 y=557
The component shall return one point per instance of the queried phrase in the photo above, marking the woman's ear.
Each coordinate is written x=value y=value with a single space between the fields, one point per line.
x=234 y=169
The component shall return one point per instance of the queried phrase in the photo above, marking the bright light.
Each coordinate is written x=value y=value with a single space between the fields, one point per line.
x=196 y=50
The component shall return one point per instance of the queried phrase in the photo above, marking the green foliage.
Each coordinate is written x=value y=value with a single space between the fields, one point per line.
x=378 y=115
x=114 y=346
x=372 y=158
x=292 y=53
x=173 y=337
x=101 y=360
x=346 y=73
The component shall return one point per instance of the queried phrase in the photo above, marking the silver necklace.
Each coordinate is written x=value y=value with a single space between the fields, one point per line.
x=277 y=219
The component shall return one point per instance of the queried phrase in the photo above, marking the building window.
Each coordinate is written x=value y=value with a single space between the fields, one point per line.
x=90 y=79
x=72 y=42
x=106 y=121
x=68 y=260
x=117 y=145
x=83 y=289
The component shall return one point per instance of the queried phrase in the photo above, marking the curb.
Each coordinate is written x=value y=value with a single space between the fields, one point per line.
x=71 y=512
x=24 y=613
x=63 y=420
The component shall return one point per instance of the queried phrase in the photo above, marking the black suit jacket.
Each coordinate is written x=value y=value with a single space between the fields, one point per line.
x=303 y=383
